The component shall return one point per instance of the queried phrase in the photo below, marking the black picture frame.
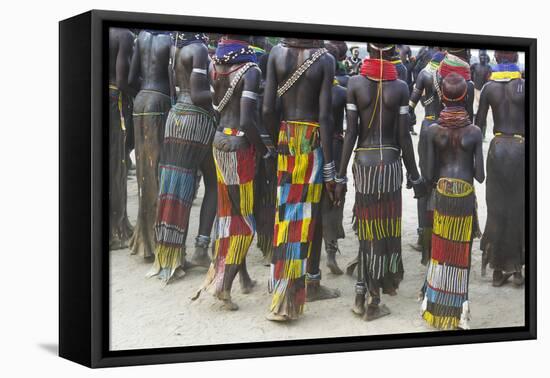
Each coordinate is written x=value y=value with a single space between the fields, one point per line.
x=83 y=169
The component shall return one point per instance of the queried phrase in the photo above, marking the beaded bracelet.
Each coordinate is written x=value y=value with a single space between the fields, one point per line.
x=329 y=171
x=341 y=180
x=268 y=143
x=313 y=277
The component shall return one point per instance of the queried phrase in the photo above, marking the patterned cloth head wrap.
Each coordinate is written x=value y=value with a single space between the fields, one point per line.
x=452 y=63
x=181 y=39
x=233 y=52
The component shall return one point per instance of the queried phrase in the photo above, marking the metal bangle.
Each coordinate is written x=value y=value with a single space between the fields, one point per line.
x=418 y=180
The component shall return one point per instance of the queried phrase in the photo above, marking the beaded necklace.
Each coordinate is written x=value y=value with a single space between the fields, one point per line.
x=378 y=70
x=454 y=117
x=505 y=72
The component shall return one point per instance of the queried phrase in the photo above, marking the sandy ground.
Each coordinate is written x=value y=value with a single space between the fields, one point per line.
x=145 y=313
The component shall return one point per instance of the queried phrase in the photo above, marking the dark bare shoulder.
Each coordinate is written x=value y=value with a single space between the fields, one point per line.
x=194 y=53
x=355 y=82
x=165 y=39
x=327 y=60
x=126 y=36
x=143 y=34
x=425 y=76
x=431 y=131
x=402 y=87
x=253 y=74
x=197 y=49
x=275 y=52
x=121 y=36
x=487 y=85
x=475 y=131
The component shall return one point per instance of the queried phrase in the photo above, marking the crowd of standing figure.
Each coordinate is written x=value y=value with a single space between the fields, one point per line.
x=260 y=121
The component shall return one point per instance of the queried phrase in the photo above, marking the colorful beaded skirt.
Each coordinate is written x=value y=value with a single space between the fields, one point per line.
x=187 y=139
x=378 y=214
x=299 y=188
x=445 y=304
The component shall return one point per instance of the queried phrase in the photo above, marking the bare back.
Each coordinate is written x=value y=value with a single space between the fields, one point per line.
x=121 y=43
x=301 y=101
x=365 y=93
x=150 y=62
x=507 y=101
x=185 y=58
x=456 y=151
x=231 y=116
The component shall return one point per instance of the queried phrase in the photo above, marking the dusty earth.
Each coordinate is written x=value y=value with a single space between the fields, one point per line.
x=145 y=313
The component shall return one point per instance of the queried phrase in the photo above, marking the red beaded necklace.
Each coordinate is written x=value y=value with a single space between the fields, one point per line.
x=378 y=70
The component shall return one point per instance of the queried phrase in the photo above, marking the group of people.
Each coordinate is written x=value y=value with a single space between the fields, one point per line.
x=261 y=122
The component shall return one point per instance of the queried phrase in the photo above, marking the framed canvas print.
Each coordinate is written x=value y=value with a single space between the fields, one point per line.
x=236 y=188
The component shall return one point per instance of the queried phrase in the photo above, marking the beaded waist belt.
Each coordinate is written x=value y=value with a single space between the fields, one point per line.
x=304 y=123
x=378 y=148
x=430 y=117
x=519 y=136
x=454 y=187
x=232 y=132
x=154 y=91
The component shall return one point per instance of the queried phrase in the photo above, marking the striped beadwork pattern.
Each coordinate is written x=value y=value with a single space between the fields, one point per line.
x=447 y=275
x=187 y=139
x=234 y=226
x=378 y=213
x=299 y=187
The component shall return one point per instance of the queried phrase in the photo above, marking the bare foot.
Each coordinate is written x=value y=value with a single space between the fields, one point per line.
x=375 y=312
x=247 y=285
x=391 y=292
x=500 y=278
x=317 y=292
x=179 y=273
x=276 y=317
x=333 y=267
x=118 y=244
x=229 y=305
x=518 y=279
x=200 y=258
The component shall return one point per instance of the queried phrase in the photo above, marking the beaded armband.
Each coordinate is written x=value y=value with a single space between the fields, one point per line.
x=199 y=71
x=249 y=94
